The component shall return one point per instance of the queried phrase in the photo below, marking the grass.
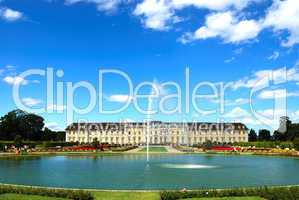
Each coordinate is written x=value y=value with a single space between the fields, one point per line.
x=98 y=196
x=228 y=198
x=126 y=195
x=154 y=149
x=26 y=197
x=116 y=196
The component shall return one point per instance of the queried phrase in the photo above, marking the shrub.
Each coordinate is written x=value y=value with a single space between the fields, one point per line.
x=296 y=143
x=59 y=193
x=2 y=147
x=55 y=144
x=266 y=144
x=285 y=145
x=272 y=193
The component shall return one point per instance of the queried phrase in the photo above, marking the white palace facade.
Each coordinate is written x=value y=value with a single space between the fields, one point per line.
x=160 y=133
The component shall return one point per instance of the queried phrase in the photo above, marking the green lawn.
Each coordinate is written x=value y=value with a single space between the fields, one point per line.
x=228 y=198
x=97 y=195
x=154 y=149
x=126 y=195
x=26 y=197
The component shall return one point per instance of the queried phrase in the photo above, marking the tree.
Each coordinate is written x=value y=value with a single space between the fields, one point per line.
x=296 y=143
x=9 y=126
x=49 y=135
x=292 y=132
x=252 y=136
x=95 y=143
x=287 y=130
x=264 y=135
x=18 y=142
x=279 y=136
x=284 y=124
x=17 y=122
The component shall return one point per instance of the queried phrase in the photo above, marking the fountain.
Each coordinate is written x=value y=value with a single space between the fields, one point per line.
x=149 y=109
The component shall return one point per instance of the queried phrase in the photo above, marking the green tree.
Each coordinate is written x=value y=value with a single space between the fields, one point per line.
x=49 y=135
x=284 y=124
x=95 y=143
x=293 y=132
x=18 y=142
x=264 y=135
x=296 y=143
x=279 y=136
x=17 y=122
x=252 y=136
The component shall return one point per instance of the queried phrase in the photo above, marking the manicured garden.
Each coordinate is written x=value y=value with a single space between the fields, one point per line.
x=228 y=198
x=126 y=195
x=269 y=193
x=26 y=197
x=155 y=149
x=96 y=195
x=116 y=196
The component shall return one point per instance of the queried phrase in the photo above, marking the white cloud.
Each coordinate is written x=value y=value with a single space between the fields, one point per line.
x=241 y=115
x=10 y=67
x=230 y=102
x=268 y=117
x=10 y=15
x=161 y=14
x=250 y=121
x=295 y=115
x=102 y=5
x=229 y=60
x=262 y=78
x=31 y=101
x=56 y=107
x=7 y=68
x=53 y=126
x=128 y=120
x=122 y=98
x=274 y=56
x=239 y=101
x=227 y=26
x=279 y=93
x=238 y=51
x=274 y=113
x=284 y=16
x=157 y=14
x=15 y=80
x=281 y=16
x=237 y=113
x=227 y=19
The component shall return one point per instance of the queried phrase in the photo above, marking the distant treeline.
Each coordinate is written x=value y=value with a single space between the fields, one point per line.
x=287 y=131
x=19 y=124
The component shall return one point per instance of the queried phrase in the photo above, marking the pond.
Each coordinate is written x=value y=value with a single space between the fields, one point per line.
x=123 y=172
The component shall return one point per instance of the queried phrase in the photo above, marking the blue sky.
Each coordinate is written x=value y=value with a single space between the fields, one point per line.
x=229 y=41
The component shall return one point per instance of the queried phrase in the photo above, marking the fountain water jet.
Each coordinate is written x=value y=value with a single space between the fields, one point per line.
x=149 y=109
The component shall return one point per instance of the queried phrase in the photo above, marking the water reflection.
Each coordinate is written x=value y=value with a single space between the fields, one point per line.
x=188 y=166
x=163 y=171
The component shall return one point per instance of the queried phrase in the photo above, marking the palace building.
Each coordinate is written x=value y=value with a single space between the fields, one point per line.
x=160 y=133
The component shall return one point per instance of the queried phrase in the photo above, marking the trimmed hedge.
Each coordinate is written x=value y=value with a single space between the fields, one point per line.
x=59 y=193
x=55 y=144
x=266 y=144
x=269 y=193
x=45 y=144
